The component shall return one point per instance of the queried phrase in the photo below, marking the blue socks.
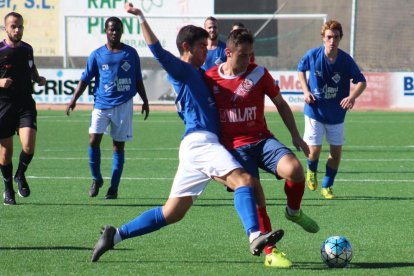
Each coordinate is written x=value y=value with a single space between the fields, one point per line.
x=329 y=177
x=118 y=158
x=153 y=219
x=313 y=165
x=117 y=165
x=149 y=221
x=245 y=205
x=95 y=162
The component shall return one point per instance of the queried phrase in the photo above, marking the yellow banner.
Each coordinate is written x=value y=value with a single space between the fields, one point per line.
x=41 y=23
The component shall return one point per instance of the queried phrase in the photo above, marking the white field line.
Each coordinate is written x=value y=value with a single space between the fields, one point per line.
x=108 y=149
x=135 y=122
x=379 y=147
x=89 y=177
x=107 y=158
x=360 y=180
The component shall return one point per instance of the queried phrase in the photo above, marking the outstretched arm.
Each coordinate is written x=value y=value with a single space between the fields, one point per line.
x=149 y=36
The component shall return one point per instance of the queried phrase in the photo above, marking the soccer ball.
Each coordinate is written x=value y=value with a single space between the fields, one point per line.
x=336 y=251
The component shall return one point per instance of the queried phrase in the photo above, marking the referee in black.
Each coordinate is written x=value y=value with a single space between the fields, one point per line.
x=17 y=107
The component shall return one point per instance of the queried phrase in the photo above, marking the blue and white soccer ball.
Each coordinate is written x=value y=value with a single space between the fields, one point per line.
x=336 y=251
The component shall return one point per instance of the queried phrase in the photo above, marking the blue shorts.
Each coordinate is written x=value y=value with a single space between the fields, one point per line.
x=264 y=155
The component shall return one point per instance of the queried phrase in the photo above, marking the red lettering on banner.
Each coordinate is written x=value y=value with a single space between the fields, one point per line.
x=378 y=91
x=289 y=83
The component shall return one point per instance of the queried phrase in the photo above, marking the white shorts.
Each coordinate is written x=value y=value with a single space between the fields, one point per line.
x=314 y=132
x=119 y=118
x=201 y=157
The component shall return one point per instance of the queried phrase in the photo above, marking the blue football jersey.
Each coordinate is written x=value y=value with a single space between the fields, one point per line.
x=329 y=83
x=215 y=57
x=195 y=103
x=115 y=73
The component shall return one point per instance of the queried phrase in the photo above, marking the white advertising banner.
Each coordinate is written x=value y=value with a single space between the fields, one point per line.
x=61 y=84
x=84 y=22
x=384 y=90
x=290 y=88
x=404 y=85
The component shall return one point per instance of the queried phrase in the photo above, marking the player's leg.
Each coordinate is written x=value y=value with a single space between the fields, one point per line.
x=99 y=123
x=149 y=221
x=121 y=131
x=291 y=170
x=27 y=137
x=335 y=138
x=245 y=204
x=217 y=163
x=188 y=184
x=332 y=166
x=27 y=129
x=94 y=153
x=311 y=172
x=276 y=158
x=8 y=124
x=246 y=156
x=118 y=157
x=173 y=211
x=6 y=166
x=313 y=136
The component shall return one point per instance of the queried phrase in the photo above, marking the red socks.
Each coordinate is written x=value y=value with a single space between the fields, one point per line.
x=294 y=192
x=265 y=226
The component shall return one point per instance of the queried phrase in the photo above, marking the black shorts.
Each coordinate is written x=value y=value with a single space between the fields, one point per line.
x=17 y=115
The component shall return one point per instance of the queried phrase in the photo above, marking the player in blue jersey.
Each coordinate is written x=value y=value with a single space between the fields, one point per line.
x=201 y=156
x=327 y=97
x=117 y=72
x=215 y=47
x=17 y=107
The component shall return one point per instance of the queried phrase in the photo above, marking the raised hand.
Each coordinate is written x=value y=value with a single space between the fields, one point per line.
x=129 y=8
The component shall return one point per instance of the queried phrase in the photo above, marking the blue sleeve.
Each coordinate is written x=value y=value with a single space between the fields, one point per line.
x=175 y=67
x=355 y=73
x=91 y=69
x=223 y=52
x=303 y=64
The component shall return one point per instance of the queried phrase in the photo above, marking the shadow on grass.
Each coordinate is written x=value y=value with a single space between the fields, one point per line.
x=199 y=204
x=380 y=265
x=297 y=265
x=351 y=266
x=24 y=248
x=47 y=248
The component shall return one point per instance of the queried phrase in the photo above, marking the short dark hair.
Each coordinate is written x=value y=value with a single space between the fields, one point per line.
x=239 y=36
x=14 y=14
x=115 y=20
x=238 y=24
x=189 y=34
x=212 y=18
